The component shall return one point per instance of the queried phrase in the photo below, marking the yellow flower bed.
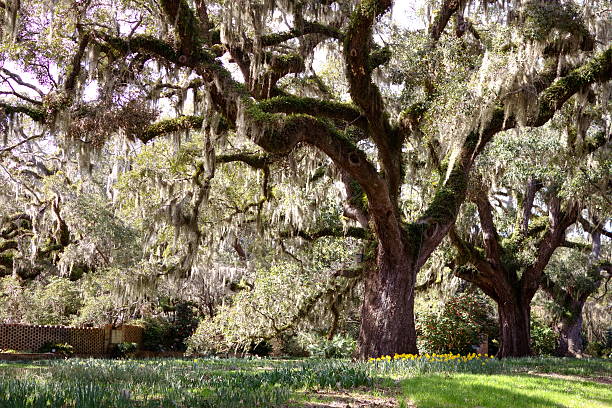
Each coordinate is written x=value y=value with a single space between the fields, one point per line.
x=434 y=357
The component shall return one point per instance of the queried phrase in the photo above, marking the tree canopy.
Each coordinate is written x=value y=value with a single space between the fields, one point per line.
x=194 y=140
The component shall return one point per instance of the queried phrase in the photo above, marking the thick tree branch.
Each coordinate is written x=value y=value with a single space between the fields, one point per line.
x=581 y=246
x=168 y=126
x=36 y=114
x=449 y=7
x=315 y=107
x=533 y=187
x=307 y=28
x=255 y=160
x=592 y=228
x=353 y=232
x=358 y=46
x=74 y=70
x=490 y=236
x=597 y=69
x=442 y=210
x=552 y=239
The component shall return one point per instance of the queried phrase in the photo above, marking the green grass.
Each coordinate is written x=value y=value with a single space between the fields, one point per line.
x=84 y=383
x=500 y=391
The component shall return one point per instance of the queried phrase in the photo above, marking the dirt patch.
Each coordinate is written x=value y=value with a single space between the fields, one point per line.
x=359 y=398
x=600 y=380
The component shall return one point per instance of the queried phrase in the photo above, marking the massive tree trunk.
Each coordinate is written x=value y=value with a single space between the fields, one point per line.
x=569 y=329
x=514 y=318
x=387 y=315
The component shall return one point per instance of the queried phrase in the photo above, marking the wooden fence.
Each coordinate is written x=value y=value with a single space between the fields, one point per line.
x=85 y=340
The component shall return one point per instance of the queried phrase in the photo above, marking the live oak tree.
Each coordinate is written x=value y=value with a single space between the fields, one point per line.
x=248 y=68
x=574 y=276
x=537 y=202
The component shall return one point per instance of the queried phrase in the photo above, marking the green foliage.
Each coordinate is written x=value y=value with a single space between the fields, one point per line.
x=340 y=346
x=156 y=334
x=543 y=338
x=64 y=349
x=184 y=325
x=124 y=349
x=54 y=300
x=541 y=18
x=599 y=349
x=457 y=327
x=259 y=313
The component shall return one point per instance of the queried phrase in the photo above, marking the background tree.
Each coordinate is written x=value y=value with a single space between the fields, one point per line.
x=537 y=201
x=570 y=279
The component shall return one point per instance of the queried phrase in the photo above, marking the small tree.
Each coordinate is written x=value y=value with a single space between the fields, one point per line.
x=463 y=322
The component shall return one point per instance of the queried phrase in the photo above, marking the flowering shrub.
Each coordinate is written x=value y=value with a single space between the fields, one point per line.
x=462 y=323
x=417 y=364
x=438 y=358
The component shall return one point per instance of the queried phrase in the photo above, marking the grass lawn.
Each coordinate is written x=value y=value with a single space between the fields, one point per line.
x=496 y=391
x=219 y=383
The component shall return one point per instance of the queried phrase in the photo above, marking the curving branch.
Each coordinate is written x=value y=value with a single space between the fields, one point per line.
x=490 y=237
x=449 y=7
x=316 y=107
x=36 y=114
x=358 y=46
x=353 y=232
x=255 y=160
x=308 y=27
x=168 y=126
x=550 y=241
x=444 y=207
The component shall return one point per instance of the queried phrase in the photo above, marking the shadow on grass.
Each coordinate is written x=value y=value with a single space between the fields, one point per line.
x=343 y=399
x=501 y=391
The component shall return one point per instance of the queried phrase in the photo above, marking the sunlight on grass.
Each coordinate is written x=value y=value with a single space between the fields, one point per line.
x=501 y=391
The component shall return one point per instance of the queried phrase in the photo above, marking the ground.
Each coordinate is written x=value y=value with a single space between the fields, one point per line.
x=417 y=382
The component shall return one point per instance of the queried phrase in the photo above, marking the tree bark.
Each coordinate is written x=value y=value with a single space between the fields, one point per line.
x=514 y=319
x=387 y=315
x=569 y=329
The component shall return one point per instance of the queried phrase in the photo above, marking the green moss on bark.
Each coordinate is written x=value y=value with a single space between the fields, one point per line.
x=37 y=115
x=597 y=69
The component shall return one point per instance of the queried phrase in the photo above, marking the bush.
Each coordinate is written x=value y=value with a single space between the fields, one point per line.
x=261 y=348
x=208 y=339
x=156 y=335
x=340 y=346
x=164 y=334
x=64 y=349
x=125 y=349
x=462 y=323
x=543 y=338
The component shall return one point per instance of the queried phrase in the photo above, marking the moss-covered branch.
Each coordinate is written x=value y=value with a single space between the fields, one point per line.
x=186 y=24
x=448 y=8
x=359 y=60
x=307 y=28
x=37 y=115
x=255 y=160
x=316 y=107
x=338 y=231
x=597 y=69
x=167 y=126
